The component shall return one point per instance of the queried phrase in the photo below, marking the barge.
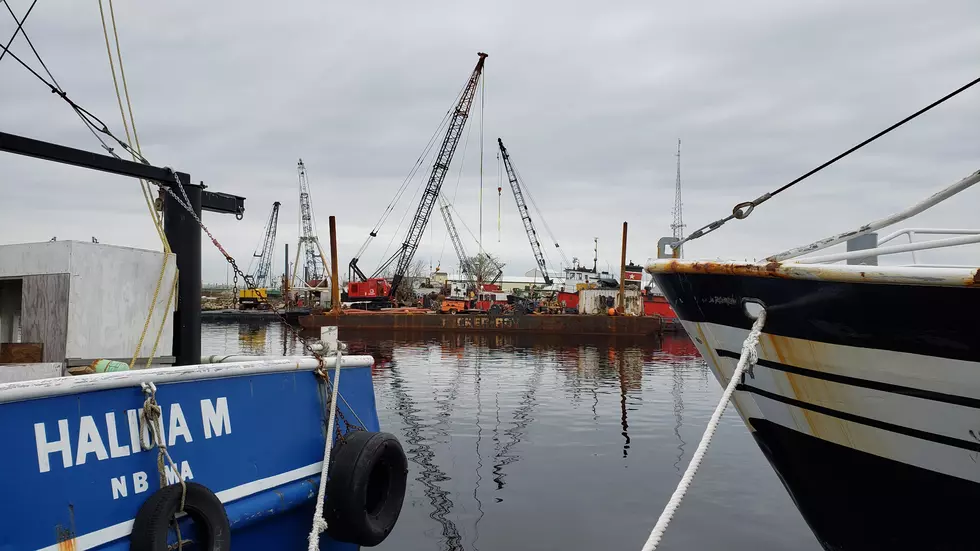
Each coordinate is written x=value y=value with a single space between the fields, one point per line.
x=565 y=324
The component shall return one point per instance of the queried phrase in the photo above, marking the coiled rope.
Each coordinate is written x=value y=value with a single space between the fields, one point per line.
x=750 y=355
x=319 y=523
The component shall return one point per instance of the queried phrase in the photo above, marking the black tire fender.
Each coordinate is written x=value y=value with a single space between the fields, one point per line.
x=203 y=507
x=368 y=474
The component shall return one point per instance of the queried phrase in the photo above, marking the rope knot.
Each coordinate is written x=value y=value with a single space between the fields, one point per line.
x=151 y=417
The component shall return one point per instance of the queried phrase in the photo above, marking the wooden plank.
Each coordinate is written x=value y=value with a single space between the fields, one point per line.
x=21 y=352
x=44 y=311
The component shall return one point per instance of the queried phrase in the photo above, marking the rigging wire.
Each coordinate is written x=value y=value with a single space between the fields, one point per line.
x=57 y=86
x=744 y=209
x=404 y=185
x=499 y=187
x=19 y=29
x=459 y=176
x=483 y=104
x=86 y=115
x=523 y=183
x=408 y=209
x=463 y=223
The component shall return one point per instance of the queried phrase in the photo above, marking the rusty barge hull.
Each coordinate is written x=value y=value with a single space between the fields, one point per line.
x=569 y=324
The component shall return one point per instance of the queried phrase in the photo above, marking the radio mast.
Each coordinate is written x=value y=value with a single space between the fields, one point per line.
x=678 y=225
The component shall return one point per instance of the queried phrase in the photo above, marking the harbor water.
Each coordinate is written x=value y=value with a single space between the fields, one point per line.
x=553 y=443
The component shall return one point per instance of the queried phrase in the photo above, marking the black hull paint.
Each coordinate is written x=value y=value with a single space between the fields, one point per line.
x=933 y=321
x=851 y=499
x=854 y=500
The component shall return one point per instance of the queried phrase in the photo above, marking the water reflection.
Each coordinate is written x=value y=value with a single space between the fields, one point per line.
x=522 y=417
x=420 y=452
x=252 y=338
x=581 y=432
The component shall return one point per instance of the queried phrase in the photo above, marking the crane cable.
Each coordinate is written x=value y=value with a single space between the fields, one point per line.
x=459 y=176
x=144 y=187
x=523 y=184
x=411 y=175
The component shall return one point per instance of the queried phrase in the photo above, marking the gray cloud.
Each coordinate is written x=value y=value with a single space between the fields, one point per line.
x=589 y=99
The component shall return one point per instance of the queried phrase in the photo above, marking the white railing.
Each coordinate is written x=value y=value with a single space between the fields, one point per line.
x=964 y=236
x=967 y=237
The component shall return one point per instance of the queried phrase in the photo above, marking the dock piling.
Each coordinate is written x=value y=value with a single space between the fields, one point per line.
x=334 y=284
x=622 y=275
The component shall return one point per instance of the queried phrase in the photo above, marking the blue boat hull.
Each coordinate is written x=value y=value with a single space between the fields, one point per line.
x=74 y=470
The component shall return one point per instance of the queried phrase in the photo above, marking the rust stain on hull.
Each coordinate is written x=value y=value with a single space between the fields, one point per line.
x=808 y=354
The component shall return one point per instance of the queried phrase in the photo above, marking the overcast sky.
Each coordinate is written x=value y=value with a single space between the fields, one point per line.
x=590 y=99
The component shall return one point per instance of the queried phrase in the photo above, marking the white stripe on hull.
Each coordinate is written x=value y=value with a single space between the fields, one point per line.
x=953 y=377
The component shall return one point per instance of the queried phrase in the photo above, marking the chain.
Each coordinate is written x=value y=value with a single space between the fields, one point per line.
x=234 y=291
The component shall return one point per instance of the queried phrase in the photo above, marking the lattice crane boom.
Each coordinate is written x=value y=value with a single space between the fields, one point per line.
x=264 y=268
x=444 y=207
x=532 y=235
x=314 y=263
x=437 y=177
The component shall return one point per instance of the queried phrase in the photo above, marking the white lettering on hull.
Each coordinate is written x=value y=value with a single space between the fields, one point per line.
x=118 y=487
x=216 y=417
x=62 y=444
x=178 y=426
x=141 y=484
x=91 y=440
x=115 y=450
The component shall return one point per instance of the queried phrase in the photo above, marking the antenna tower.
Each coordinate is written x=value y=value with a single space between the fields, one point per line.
x=678 y=225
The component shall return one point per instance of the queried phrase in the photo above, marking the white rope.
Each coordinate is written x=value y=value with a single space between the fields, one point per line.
x=319 y=523
x=748 y=358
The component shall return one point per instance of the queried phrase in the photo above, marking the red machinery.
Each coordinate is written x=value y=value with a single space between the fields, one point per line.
x=372 y=288
x=486 y=299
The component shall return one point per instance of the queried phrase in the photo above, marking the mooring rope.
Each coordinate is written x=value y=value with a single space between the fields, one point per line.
x=750 y=355
x=151 y=424
x=319 y=523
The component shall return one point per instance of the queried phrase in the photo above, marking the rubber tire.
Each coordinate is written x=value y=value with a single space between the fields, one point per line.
x=452 y=311
x=359 y=458
x=152 y=522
